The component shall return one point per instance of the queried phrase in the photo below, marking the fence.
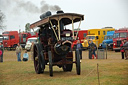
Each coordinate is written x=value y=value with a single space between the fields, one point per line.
x=101 y=54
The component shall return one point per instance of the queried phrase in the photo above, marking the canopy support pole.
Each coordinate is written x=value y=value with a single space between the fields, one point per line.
x=78 y=29
x=54 y=30
x=73 y=27
x=58 y=28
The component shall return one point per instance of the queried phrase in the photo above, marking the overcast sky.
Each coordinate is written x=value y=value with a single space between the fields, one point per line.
x=97 y=13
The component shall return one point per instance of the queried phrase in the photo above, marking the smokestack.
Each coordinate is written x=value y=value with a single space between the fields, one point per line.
x=58 y=12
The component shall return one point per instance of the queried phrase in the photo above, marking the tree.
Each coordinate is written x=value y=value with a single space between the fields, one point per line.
x=27 y=27
x=2 y=17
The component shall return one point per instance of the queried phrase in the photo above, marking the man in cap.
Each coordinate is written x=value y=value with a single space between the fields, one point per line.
x=92 y=48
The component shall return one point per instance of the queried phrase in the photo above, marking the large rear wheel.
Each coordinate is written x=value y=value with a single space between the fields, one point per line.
x=37 y=62
x=77 y=62
x=50 y=63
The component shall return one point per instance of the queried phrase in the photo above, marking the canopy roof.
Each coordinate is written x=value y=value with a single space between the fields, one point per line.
x=65 y=17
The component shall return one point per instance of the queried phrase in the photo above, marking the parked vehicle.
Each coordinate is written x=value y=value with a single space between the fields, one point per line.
x=23 y=37
x=81 y=34
x=119 y=35
x=97 y=35
x=108 y=40
x=1 y=38
x=11 y=39
x=29 y=43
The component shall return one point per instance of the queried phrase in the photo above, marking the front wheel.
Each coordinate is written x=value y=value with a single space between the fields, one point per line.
x=77 y=55
x=50 y=63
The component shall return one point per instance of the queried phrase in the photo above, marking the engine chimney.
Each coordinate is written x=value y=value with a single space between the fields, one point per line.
x=58 y=12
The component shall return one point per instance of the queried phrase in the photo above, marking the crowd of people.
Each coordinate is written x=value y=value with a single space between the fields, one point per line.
x=92 y=48
x=18 y=53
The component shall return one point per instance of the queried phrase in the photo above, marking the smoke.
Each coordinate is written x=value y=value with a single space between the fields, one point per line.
x=28 y=6
x=45 y=7
x=2 y=17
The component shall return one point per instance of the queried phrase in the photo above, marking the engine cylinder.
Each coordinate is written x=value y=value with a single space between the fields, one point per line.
x=48 y=13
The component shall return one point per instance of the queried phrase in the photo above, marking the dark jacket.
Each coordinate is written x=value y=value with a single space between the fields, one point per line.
x=81 y=46
x=92 y=46
x=125 y=46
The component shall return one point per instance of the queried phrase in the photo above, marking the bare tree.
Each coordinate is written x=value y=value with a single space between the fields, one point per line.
x=2 y=17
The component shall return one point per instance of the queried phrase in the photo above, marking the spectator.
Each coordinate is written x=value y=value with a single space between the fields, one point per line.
x=122 y=49
x=2 y=51
x=125 y=47
x=18 y=52
x=25 y=56
x=92 y=48
x=79 y=47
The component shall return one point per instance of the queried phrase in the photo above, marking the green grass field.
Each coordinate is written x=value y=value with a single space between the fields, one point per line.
x=113 y=71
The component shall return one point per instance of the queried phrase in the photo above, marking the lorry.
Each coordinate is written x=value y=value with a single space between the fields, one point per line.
x=23 y=37
x=11 y=39
x=119 y=35
x=97 y=36
x=80 y=36
x=108 y=40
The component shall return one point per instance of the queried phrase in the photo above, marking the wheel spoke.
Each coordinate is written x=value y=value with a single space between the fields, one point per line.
x=37 y=67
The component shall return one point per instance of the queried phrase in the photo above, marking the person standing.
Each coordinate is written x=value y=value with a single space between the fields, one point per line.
x=25 y=56
x=18 y=52
x=2 y=51
x=92 y=48
x=122 y=49
x=125 y=47
x=79 y=47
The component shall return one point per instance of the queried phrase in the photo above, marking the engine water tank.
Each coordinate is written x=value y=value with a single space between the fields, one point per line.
x=48 y=13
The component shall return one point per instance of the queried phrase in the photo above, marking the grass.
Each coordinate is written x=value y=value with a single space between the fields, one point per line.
x=112 y=71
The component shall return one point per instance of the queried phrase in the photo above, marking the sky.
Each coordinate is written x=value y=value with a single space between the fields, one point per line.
x=97 y=13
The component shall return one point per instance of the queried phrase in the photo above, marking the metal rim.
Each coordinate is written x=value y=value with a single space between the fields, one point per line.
x=77 y=62
x=37 y=64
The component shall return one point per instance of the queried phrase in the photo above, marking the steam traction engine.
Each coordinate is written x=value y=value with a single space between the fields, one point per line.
x=54 y=42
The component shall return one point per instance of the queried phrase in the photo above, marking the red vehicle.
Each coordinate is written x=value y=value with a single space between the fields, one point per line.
x=80 y=36
x=11 y=39
x=119 y=35
x=23 y=37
